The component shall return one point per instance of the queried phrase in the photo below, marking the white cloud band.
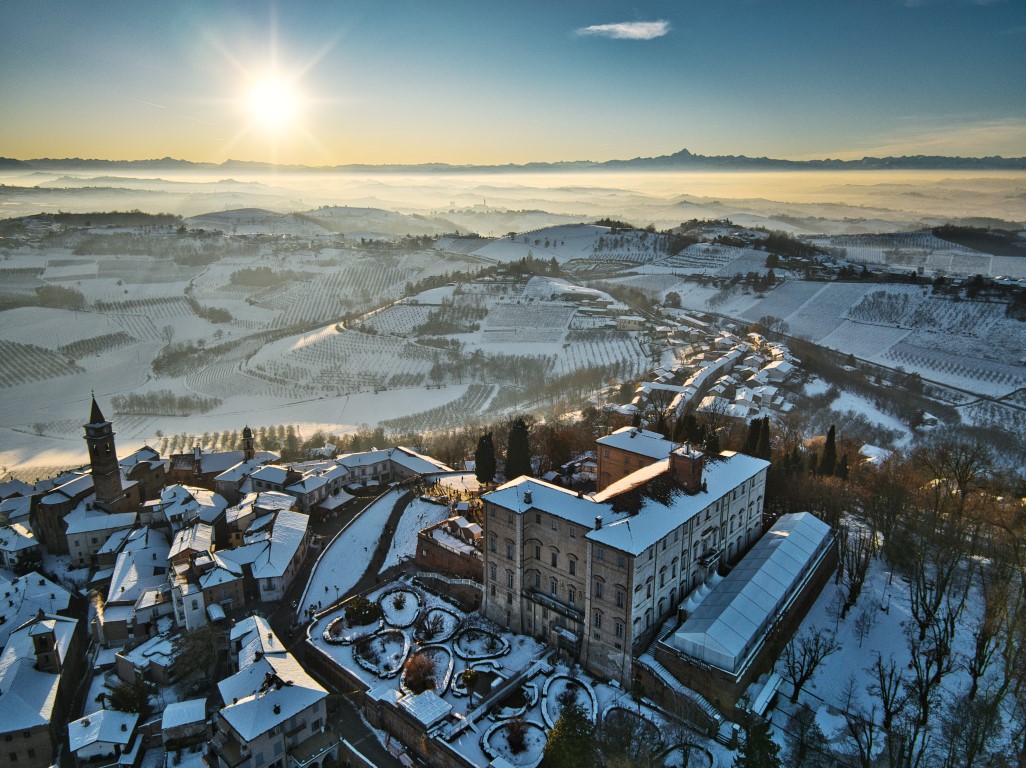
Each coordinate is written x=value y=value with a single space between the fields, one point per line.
x=628 y=30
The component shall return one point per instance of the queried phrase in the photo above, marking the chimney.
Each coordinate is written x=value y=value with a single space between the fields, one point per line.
x=598 y=522
x=527 y=497
x=686 y=465
x=196 y=452
x=124 y=726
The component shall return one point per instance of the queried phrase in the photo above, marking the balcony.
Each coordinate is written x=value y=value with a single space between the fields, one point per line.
x=553 y=604
x=710 y=559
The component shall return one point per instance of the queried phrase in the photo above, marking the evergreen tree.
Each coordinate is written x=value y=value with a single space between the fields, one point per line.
x=518 y=451
x=571 y=742
x=484 y=459
x=752 y=439
x=712 y=442
x=758 y=749
x=842 y=467
x=763 y=448
x=828 y=462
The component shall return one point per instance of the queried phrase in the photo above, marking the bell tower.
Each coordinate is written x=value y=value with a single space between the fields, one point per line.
x=248 y=451
x=103 y=460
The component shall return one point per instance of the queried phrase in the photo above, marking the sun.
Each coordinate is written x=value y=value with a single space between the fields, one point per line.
x=273 y=102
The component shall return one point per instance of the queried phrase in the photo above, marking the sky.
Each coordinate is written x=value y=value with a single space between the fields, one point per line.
x=488 y=82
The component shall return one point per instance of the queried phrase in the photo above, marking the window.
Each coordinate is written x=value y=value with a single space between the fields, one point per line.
x=620 y=598
x=621 y=560
x=598 y=620
x=651 y=553
x=537 y=552
x=509 y=579
x=662 y=578
x=195 y=605
x=493 y=590
x=509 y=517
x=554 y=524
x=537 y=580
x=600 y=554
x=648 y=587
x=573 y=533
x=555 y=560
x=619 y=629
x=494 y=571
x=491 y=543
x=572 y=595
x=573 y=567
x=664 y=545
x=509 y=550
x=537 y=517
x=598 y=590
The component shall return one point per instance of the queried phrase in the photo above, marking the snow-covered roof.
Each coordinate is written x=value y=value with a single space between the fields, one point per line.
x=639 y=441
x=16 y=508
x=197 y=538
x=427 y=708
x=27 y=695
x=270 y=474
x=107 y=726
x=364 y=459
x=141 y=565
x=267 y=693
x=728 y=624
x=159 y=649
x=416 y=462
x=85 y=520
x=24 y=596
x=656 y=518
x=181 y=713
x=17 y=537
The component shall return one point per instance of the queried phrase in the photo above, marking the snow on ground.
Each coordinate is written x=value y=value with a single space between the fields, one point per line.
x=419 y=514
x=348 y=556
x=816 y=386
x=885 y=603
x=465 y=482
x=848 y=401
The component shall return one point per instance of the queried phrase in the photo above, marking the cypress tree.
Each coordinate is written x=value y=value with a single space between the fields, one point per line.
x=518 y=451
x=484 y=459
x=828 y=462
x=763 y=449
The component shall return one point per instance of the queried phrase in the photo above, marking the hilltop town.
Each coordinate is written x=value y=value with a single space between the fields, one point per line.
x=588 y=492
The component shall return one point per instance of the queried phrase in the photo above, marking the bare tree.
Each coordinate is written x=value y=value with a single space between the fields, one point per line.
x=859 y=726
x=804 y=654
x=888 y=687
x=168 y=333
x=807 y=743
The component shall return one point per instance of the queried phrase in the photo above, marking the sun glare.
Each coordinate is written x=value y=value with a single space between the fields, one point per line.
x=273 y=102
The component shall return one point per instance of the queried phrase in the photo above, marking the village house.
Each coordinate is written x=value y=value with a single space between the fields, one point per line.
x=273 y=713
x=138 y=595
x=40 y=668
x=105 y=738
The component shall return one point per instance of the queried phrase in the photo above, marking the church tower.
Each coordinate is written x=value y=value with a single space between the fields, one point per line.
x=103 y=460
x=248 y=451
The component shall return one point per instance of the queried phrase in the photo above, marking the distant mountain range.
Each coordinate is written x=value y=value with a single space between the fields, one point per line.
x=683 y=160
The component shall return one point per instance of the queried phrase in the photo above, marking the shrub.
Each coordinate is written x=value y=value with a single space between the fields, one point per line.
x=361 y=611
x=516 y=735
x=399 y=601
x=420 y=673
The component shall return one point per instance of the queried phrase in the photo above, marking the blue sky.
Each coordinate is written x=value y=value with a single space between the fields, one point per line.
x=495 y=82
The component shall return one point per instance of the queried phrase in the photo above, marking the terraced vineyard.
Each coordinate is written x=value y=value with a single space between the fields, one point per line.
x=449 y=416
x=21 y=363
